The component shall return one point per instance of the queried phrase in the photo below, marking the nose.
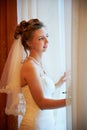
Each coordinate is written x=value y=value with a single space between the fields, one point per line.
x=46 y=40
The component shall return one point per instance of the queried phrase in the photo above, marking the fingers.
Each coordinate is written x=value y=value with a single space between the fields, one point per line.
x=67 y=75
x=64 y=77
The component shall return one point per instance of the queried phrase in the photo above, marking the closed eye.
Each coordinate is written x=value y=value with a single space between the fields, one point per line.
x=41 y=38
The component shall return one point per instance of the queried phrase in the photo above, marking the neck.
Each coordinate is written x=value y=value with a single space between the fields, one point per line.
x=36 y=56
x=37 y=60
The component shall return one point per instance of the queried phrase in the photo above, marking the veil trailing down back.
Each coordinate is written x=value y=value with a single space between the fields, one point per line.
x=10 y=80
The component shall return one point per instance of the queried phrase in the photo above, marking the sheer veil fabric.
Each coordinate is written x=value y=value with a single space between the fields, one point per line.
x=10 y=80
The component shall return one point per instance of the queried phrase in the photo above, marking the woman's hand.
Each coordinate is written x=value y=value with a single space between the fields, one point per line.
x=61 y=80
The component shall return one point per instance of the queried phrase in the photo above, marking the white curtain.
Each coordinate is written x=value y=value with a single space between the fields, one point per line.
x=51 y=12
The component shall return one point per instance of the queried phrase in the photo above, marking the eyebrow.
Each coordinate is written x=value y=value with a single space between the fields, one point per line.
x=43 y=35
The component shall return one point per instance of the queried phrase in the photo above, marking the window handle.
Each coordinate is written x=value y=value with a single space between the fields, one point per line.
x=64 y=92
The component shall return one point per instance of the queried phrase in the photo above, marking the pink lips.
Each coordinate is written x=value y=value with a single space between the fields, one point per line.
x=45 y=46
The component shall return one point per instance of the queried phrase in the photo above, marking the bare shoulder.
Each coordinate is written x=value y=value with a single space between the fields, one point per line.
x=28 y=68
x=29 y=73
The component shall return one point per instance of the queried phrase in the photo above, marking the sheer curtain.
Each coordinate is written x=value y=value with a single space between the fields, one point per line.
x=52 y=14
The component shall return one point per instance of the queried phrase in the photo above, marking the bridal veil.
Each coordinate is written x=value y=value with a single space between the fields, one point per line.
x=10 y=80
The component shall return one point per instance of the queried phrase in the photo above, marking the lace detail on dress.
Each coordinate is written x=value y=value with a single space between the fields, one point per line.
x=16 y=104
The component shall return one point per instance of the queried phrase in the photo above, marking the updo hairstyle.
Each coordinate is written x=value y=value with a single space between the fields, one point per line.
x=26 y=30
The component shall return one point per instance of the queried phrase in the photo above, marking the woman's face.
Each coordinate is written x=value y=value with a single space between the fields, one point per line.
x=40 y=40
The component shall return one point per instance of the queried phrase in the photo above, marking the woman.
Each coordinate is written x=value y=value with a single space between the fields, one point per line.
x=29 y=73
x=34 y=38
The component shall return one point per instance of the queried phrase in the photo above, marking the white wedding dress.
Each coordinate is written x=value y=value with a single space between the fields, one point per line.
x=35 y=118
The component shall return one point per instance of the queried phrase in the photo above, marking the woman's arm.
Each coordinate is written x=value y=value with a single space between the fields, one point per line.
x=32 y=76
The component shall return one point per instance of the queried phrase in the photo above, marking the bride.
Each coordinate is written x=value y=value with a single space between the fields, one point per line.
x=37 y=87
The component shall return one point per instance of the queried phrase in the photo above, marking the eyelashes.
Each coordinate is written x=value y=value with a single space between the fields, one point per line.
x=42 y=37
